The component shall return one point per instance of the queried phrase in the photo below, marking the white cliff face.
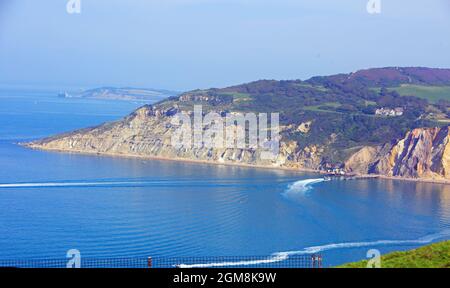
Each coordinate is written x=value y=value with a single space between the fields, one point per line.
x=147 y=133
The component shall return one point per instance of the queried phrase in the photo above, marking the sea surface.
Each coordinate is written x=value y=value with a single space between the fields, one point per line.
x=116 y=207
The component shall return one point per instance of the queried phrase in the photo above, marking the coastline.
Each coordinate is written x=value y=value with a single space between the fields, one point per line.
x=146 y=157
x=242 y=165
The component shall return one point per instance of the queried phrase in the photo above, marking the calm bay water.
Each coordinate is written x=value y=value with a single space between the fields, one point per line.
x=117 y=207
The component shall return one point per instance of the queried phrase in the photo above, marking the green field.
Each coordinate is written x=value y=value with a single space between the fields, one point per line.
x=431 y=93
x=316 y=87
x=318 y=108
x=432 y=256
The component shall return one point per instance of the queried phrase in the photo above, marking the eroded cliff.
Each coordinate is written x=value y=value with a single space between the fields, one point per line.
x=147 y=133
x=422 y=153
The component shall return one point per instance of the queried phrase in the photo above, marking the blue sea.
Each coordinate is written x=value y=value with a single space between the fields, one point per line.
x=119 y=207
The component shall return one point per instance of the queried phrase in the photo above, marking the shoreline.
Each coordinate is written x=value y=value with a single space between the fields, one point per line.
x=241 y=165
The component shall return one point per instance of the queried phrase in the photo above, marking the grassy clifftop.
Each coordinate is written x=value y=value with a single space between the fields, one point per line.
x=432 y=256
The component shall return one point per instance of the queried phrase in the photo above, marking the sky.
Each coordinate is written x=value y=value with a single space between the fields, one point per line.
x=189 y=44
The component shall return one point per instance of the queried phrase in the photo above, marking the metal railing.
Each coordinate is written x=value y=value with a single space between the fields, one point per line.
x=278 y=261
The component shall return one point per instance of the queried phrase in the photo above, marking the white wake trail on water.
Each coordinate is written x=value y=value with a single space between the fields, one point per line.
x=302 y=186
x=73 y=184
x=282 y=256
x=423 y=240
x=272 y=259
x=114 y=183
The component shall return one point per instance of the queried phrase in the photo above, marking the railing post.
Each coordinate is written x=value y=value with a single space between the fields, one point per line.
x=149 y=262
x=316 y=261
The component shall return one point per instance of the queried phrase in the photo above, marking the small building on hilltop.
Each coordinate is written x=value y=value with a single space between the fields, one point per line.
x=390 y=112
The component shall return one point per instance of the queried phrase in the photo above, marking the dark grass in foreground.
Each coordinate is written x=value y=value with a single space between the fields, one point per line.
x=431 y=256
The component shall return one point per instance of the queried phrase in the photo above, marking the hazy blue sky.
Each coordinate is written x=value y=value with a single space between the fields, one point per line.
x=187 y=44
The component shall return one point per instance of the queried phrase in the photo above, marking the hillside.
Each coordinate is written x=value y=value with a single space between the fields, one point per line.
x=341 y=107
x=431 y=256
x=346 y=115
x=391 y=76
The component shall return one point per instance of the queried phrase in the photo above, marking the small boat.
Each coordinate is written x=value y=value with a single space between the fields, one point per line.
x=63 y=95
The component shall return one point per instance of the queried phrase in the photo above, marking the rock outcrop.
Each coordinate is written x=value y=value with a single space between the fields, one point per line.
x=360 y=161
x=304 y=127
